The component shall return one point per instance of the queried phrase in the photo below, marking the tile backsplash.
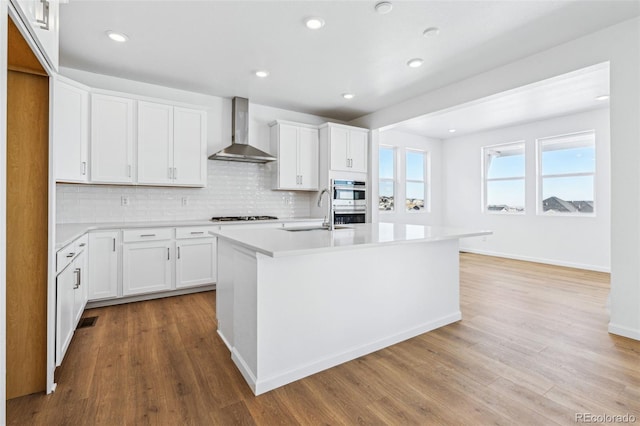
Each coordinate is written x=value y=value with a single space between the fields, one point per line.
x=233 y=189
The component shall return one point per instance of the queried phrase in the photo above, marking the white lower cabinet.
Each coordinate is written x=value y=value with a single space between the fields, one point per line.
x=71 y=293
x=195 y=262
x=147 y=267
x=104 y=260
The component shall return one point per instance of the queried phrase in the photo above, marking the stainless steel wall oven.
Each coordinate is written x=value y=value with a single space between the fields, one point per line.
x=349 y=201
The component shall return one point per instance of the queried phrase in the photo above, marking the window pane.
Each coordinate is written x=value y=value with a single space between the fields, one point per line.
x=501 y=165
x=385 y=201
x=386 y=163
x=415 y=196
x=415 y=165
x=568 y=160
x=505 y=195
x=572 y=194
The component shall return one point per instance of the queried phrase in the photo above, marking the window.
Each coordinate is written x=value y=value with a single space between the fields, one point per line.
x=386 y=176
x=566 y=170
x=504 y=183
x=416 y=189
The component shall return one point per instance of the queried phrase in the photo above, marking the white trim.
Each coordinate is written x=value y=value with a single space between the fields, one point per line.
x=4 y=27
x=538 y=260
x=484 y=170
x=623 y=331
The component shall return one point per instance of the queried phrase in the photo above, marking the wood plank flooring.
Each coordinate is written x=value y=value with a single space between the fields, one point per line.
x=532 y=348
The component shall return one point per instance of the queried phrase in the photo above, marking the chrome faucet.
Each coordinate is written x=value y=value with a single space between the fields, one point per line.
x=328 y=219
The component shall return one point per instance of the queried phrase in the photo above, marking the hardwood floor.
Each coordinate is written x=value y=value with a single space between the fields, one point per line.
x=532 y=348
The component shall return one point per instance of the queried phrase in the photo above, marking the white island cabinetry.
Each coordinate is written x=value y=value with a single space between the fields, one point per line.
x=364 y=288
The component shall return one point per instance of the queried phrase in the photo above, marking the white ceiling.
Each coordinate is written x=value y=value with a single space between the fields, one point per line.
x=213 y=47
x=565 y=94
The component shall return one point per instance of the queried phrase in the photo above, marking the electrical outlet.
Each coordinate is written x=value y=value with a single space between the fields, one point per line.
x=125 y=200
x=185 y=201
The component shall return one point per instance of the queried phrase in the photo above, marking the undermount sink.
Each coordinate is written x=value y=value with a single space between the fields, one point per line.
x=313 y=228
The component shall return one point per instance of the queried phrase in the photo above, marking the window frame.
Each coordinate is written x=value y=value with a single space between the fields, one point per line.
x=394 y=180
x=425 y=174
x=485 y=169
x=540 y=177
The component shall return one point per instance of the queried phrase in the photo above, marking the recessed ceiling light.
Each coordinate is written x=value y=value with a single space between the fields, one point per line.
x=452 y=130
x=415 y=62
x=348 y=95
x=602 y=98
x=119 y=37
x=262 y=73
x=384 y=7
x=431 y=32
x=314 y=23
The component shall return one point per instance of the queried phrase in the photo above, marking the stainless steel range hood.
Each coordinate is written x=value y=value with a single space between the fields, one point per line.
x=240 y=150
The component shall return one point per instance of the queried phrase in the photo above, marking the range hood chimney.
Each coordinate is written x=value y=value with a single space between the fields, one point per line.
x=240 y=150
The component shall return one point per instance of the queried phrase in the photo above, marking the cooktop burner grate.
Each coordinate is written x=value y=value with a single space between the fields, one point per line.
x=241 y=218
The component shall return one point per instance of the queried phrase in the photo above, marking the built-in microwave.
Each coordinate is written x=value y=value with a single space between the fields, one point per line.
x=349 y=201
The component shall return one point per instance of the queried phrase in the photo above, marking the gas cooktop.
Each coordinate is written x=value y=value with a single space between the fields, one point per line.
x=241 y=218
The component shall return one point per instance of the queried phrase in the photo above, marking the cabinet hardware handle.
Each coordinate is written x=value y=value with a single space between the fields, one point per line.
x=77 y=283
x=147 y=235
x=70 y=255
x=114 y=244
x=82 y=245
x=178 y=252
x=168 y=258
x=129 y=170
x=197 y=233
x=84 y=168
x=44 y=22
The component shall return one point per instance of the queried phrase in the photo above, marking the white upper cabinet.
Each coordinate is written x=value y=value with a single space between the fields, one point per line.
x=112 y=138
x=155 y=143
x=189 y=147
x=42 y=20
x=171 y=145
x=70 y=132
x=296 y=146
x=347 y=148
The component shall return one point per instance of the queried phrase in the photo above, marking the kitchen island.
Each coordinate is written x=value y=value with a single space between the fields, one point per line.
x=291 y=303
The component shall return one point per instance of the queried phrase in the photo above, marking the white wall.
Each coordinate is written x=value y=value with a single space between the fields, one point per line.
x=402 y=140
x=582 y=242
x=620 y=45
x=234 y=189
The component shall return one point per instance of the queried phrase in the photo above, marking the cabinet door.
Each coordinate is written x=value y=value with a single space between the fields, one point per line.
x=65 y=283
x=104 y=256
x=42 y=18
x=155 y=143
x=146 y=267
x=308 y=158
x=70 y=132
x=80 y=293
x=288 y=176
x=339 y=142
x=358 y=141
x=190 y=147
x=111 y=139
x=195 y=262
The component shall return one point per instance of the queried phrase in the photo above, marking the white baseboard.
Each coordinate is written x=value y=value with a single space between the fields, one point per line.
x=624 y=331
x=538 y=260
x=260 y=385
x=148 y=296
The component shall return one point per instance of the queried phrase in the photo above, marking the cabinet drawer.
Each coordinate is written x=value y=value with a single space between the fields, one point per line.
x=65 y=255
x=81 y=243
x=195 y=232
x=147 y=234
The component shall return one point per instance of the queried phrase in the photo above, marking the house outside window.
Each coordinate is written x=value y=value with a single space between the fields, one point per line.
x=504 y=178
x=566 y=174
x=386 y=178
x=415 y=180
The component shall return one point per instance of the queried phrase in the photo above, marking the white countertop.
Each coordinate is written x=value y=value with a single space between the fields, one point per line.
x=67 y=232
x=280 y=242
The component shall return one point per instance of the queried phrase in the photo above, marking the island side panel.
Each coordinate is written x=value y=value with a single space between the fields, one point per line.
x=224 y=292
x=320 y=310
